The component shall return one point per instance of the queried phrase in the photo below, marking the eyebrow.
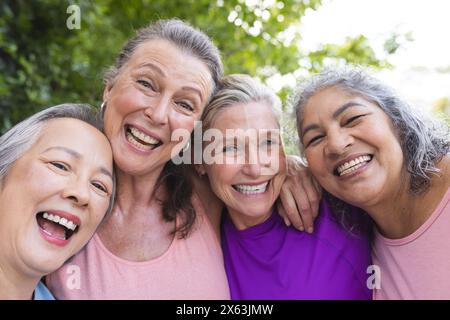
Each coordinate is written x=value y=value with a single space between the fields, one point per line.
x=154 y=67
x=77 y=155
x=73 y=153
x=194 y=89
x=339 y=111
x=163 y=74
x=106 y=172
x=345 y=107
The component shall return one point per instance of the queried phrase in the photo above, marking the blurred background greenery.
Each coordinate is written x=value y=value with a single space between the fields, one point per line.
x=42 y=62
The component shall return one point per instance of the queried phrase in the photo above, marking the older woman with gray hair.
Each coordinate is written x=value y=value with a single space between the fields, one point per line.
x=370 y=149
x=56 y=184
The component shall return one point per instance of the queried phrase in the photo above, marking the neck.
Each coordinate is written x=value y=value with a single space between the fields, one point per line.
x=136 y=191
x=395 y=218
x=137 y=203
x=404 y=212
x=14 y=286
x=242 y=221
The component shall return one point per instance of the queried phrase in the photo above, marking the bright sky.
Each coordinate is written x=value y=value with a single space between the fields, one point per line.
x=428 y=21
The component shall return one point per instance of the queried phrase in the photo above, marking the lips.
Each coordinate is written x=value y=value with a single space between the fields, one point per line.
x=57 y=226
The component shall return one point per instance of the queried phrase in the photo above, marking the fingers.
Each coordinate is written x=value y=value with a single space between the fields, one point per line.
x=290 y=209
x=305 y=210
x=282 y=213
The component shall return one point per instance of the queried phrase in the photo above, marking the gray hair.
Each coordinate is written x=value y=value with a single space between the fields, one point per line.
x=17 y=140
x=424 y=141
x=239 y=88
x=182 y=35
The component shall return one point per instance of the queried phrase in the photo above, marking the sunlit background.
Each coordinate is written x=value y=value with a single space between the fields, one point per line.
x=420 y=68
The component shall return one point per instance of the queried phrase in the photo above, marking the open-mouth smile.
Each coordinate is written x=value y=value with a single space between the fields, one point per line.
x=350 y=166
x=57 y=226
x=141 y=140
x=253 y=189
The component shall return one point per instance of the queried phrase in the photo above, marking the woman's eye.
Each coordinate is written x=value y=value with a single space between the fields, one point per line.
x=100 y=186
x=146 y=84
x=352 y=119
x=60 y=166
x=186 y=105
x=314 y=140
x=270 y=142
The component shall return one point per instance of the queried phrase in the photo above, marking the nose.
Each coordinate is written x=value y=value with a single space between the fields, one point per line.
x=338 y=141
x=252 y=170
x=77 y=192
x=158 y=111
x=252 y=165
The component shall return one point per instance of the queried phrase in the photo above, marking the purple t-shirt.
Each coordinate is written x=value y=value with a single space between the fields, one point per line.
x=273 y=261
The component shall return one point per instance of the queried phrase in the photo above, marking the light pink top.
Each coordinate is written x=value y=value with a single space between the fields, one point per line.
x=191 y=268
x=418 y=266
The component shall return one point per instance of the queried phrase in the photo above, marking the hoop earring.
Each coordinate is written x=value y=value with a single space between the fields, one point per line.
x=103 y=108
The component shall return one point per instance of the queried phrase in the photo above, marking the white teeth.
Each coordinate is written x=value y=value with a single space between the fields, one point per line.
x=142 y=136
x=134 y=134
x=62 y=221
x=352 y=165
x=71 y=225
x=247 y=189
x=131 y=139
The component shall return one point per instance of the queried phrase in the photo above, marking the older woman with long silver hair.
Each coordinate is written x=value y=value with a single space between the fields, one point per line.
x=56 y=184
x=370 y=149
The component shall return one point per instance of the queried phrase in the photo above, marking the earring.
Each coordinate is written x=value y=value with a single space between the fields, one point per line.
x=103 y=108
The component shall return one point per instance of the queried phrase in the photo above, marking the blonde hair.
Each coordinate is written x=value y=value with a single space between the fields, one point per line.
x=239 y=88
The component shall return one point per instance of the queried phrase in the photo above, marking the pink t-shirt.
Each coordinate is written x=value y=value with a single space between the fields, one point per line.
x=417 y=266
x=191 y=268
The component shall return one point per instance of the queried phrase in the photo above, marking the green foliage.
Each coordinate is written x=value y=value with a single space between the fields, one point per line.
x=44 y=63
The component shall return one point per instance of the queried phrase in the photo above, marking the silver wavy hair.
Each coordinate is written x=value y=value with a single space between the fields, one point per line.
x=17 y=140
x=424 y=141
x=239 y=88
x=183 y=36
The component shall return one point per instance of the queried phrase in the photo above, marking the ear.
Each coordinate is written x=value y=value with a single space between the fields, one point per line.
x=107 y=91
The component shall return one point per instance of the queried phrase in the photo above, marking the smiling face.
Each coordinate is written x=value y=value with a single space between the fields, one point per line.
x=351 y=147
x=252 y=171
x=160 y=89
x=55 y=196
